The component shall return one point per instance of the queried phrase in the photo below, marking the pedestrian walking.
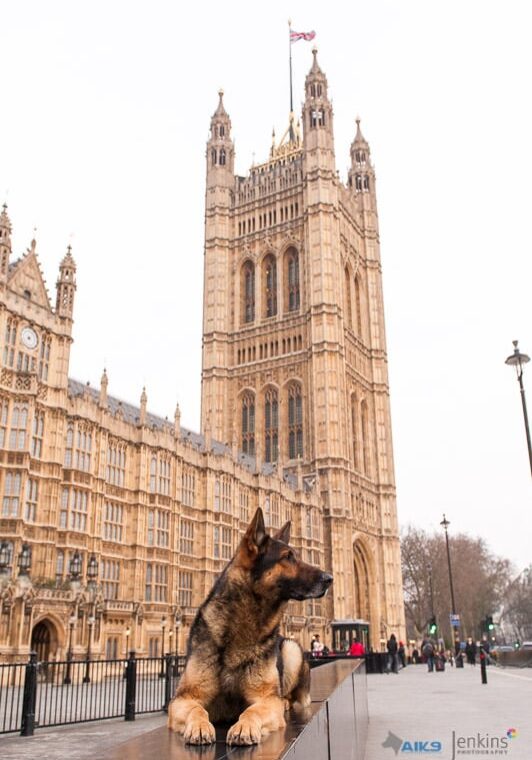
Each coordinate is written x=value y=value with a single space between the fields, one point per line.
x=427 y=649
x=471 y=651
x=401 y=654
x=393 y=661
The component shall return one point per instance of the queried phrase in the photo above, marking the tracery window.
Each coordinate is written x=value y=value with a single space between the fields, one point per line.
x=295 y=422
x=11 y=501
x=248 y=424
x=32 y=498
x=292 y=271
x=110 y=576
x=116 y=464
x=248 y=286
x=44 y=358
x=347 y=295
x=19 y=422
x=186 y=537
x=38 y=434
x=185 y=586
x=75 y=503
x=4 y=412
x=160 y=475
x=10 y=342
x=270 y=286
x=188 y=487
x=113 y=522
x=271 y=425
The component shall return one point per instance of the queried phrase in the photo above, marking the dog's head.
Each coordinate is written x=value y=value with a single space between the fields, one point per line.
x=274 y=568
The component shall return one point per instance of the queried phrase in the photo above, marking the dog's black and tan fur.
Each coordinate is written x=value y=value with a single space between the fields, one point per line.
x=238 y=667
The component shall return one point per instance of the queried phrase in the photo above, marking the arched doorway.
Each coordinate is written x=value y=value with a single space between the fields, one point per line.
x=44 y=640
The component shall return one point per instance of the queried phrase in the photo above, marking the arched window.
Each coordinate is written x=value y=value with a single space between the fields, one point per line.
x=222 y=130
x=292 y=280
x=358 y=307
x=271 y=425
x=248 y=424
x=222 y=157
x=366 y=450
x=248 y=291
x=358 y=182
x=213 y=156
x=348 y=304
x=366 y=182
x=354 y=430
x=270 y=286
x=295 y=422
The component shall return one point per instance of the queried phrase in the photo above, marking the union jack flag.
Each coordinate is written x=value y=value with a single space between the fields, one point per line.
x=307 y=36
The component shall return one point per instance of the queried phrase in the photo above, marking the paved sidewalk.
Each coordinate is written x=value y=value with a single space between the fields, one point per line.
x=412 y=706
x=425 y=707
x=79 y=742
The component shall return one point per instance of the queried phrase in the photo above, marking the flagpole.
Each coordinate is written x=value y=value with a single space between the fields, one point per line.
x=290 y=59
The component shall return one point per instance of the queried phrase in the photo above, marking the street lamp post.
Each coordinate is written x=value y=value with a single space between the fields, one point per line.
x=170 y=641
x=92 y=575
x=517 y=360
x=445 y=524
x=71 y=623
x=163 y=626
x=128 y=634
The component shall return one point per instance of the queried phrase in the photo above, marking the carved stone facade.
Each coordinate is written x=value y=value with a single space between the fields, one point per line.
x=295 y=419
x=294 y=324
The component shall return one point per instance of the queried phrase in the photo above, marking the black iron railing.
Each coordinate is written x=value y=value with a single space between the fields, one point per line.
x=39 y=694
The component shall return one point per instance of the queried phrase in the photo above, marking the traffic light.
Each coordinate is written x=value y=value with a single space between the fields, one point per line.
x=489 y=623
x=433 y=626
x=517 y=644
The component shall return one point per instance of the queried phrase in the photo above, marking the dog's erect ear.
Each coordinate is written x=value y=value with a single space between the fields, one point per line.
x=256 y=532
x=284 y=533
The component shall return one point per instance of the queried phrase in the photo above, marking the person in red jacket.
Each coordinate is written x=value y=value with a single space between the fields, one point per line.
x=357 y=649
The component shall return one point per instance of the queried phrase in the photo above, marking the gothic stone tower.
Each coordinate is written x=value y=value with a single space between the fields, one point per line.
x=294 y=352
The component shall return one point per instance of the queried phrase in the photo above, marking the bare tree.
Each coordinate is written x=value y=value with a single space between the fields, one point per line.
x=517 y=609
x=479 y=579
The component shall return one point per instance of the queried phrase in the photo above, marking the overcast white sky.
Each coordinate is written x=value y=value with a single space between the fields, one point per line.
x=105 y=108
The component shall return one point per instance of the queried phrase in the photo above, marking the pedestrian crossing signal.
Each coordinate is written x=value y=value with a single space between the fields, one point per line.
x=433 y=626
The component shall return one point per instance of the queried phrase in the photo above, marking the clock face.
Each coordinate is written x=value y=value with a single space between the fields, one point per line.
x=29 y=337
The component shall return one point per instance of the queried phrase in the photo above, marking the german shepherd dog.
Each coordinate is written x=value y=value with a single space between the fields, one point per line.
x=238 y=666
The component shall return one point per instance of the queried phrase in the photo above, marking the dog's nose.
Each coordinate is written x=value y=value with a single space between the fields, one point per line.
x=327 y=578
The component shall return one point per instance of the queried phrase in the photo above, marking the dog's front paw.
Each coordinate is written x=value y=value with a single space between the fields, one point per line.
x=245 y=731
x=199 y=731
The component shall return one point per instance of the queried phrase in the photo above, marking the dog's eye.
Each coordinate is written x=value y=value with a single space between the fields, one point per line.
x=291 y=557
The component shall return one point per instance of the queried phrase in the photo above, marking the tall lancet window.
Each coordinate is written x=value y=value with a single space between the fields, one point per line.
x=270 y=286
x=354 y=428
x=348 y=305
x=222 y=156
x=271 y=425
x=295 y=422
x=366 y=448
x=248 y=291
x=248 y=424
x=358 y=307
x=292 y=280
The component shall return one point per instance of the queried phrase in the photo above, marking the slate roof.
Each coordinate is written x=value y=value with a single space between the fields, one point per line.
x=131 y=415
